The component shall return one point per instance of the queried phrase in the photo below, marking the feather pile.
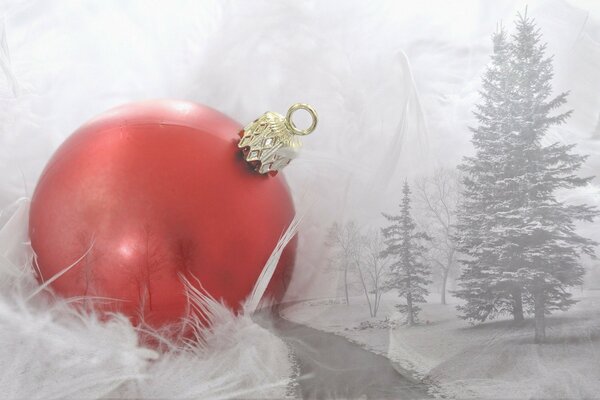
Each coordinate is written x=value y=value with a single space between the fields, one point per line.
x=49 y=349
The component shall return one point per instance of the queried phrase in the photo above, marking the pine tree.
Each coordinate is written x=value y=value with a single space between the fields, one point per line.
x=525 y=247
x=488 y=281
x=550 y=249
x=408 y=274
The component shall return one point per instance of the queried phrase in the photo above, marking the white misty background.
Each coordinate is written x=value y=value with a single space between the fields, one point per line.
x=394 y=84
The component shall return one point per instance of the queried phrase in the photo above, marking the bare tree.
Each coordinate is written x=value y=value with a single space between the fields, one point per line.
x=372 y=267
x=345 y=238
x=439 y=196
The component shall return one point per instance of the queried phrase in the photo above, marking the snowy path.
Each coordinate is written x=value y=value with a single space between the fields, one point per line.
x=333 y=367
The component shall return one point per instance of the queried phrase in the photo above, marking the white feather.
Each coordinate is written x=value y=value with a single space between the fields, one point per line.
x=253 y=301
x=49 y=349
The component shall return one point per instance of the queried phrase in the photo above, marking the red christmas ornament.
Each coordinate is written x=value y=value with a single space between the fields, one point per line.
x=152 y=190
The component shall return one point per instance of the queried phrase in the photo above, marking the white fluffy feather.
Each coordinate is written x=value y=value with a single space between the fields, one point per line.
x=49 y=350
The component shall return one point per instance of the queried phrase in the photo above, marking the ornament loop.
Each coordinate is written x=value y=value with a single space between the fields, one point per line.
x=271 y=141
x=289 y=122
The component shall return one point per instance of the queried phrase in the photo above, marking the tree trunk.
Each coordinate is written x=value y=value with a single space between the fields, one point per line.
x=346 y=285
x=410 y=319
x=540 y=318
x=377 y=300
x=364 y=285
x=518 y=305
x=444 y=282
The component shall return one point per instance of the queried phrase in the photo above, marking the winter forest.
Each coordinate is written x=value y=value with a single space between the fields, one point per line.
x=488 y=253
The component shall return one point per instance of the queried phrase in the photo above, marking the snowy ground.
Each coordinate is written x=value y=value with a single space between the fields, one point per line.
x=492 y=360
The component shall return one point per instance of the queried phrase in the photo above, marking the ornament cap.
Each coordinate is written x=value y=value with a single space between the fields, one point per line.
x=270 y=142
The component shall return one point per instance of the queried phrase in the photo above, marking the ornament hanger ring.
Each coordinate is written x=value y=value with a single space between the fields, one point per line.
x=290 y=123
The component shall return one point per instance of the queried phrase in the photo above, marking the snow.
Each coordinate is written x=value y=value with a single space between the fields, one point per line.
x=334 y=316
x=496 y=359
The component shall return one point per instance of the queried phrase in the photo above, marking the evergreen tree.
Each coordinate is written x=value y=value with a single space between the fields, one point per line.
x=525 y=248
x=486 y=282
x=550 y=249
x=408 y=274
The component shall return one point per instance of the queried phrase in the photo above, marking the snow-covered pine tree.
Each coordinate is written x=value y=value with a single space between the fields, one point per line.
x=516 y=235
x=547 y=245
x=403 y=245
x=488 y=281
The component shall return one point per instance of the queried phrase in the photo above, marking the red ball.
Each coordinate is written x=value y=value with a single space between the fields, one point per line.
x=160 y=189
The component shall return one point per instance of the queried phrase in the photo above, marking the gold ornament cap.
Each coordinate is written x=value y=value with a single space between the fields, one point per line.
x=271 y=142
